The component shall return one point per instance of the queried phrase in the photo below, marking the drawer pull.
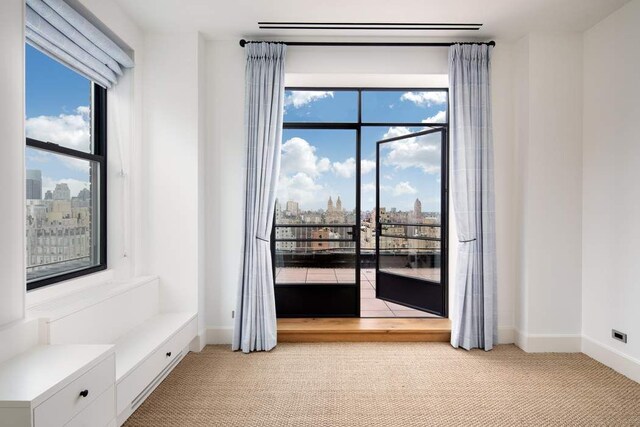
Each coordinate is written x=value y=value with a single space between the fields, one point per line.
x=168 y=354
x=84 y=393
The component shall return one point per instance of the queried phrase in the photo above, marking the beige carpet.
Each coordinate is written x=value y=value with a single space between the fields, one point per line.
x=389 y=384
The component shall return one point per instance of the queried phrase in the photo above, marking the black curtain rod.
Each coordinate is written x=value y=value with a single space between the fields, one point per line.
x=244 y=42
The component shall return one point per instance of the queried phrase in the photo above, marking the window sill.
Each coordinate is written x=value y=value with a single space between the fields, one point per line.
x=59 y=306
x=86 y=283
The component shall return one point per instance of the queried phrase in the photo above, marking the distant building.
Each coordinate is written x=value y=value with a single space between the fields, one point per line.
x=335 y=215
x=48 y=195
x=34 y=184
x=292 y=208
x=417 y=210
x=62 y=192
x=84 y=195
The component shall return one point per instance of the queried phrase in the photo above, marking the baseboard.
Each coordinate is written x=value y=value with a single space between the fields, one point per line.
x=615 y=359
x=198 y=343
x=219 y=335
x=548 y=343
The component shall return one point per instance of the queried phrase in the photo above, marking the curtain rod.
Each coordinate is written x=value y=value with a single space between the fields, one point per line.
x=244 y=42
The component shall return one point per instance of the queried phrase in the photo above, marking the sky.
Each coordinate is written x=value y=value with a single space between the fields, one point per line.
x=57 y=110
x=317 y=164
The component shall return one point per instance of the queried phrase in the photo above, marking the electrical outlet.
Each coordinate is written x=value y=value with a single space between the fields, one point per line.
x=617 y=335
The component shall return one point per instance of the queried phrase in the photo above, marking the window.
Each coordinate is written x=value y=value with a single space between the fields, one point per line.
x=65 y=128
x=325 y=234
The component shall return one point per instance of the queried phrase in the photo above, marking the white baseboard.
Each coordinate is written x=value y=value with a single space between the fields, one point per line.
x=615 y=359
x=551 y=343
x=219 y=335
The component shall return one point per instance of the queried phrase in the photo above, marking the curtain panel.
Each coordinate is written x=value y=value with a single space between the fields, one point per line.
x=255 y=320
x=474 y=322
x=60 y=31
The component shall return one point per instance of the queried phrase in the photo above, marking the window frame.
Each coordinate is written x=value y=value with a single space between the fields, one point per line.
x=99 y=156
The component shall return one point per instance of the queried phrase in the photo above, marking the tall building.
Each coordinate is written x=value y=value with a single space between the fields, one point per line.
x=62 y=192
x=339 y=205
x=34 y=184
x=417 y=209
x=48 y=195
x=330 y=205
x=292 y=208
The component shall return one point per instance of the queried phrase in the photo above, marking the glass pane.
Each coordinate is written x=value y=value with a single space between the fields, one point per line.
x=316 y=187
x=397 y=106
x=58 y=103
x=320 y=106
x=410 y=257
x=410 y=178
x=317 y=177
x=62 y=214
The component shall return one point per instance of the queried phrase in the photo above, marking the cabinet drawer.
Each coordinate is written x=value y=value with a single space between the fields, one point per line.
x=65 y=404
x=99 y=413
x=133 y=384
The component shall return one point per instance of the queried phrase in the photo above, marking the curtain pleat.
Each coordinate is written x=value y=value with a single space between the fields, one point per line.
x=255 y=320
x=57 y=29
x=474 y=319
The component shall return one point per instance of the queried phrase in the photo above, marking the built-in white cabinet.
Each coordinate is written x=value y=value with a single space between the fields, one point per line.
x=59 y=385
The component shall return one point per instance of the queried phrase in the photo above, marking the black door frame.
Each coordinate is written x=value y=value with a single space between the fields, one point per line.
x=414 y=286
x=299 y=292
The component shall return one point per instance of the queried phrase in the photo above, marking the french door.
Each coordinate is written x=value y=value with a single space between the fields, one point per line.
x=411 y=243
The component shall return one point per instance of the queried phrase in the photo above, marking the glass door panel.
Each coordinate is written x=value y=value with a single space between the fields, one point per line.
x=409 y=220
x=315 y=232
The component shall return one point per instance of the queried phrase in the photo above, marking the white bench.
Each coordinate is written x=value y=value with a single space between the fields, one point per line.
x=148 y=343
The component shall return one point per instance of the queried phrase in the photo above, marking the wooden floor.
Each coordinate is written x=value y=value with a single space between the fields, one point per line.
x=364 y=330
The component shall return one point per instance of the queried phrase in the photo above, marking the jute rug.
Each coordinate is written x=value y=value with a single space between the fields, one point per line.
x=390 y=384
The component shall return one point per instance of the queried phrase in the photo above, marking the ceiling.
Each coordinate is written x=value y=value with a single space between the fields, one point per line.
x=502 y=19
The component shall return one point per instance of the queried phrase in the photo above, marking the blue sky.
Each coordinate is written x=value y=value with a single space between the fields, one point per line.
x=318 y=164
x=57 y=110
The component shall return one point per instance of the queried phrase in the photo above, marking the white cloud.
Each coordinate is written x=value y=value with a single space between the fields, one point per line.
x=301 y=98
x=300 y=187
x=367 y=166
x=75 y=185
x=439 y=117
x=345 y=169
x=421 y=152
x=300 y=156
x=403 y=188
x=370 y=186
x=425 y=99
x=69 y=130
x=299 y=170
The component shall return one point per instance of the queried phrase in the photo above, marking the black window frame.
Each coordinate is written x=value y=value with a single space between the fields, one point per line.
x=99 y=156
x=358 y=126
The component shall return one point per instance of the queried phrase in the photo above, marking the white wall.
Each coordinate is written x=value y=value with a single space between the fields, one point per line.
x=226 y=154
x=173 y=142
x=550 y=156
x=12 y=254
x=611 y=190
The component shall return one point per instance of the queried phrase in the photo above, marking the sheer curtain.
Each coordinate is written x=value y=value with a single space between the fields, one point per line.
x=474 y=311
x=255 y=321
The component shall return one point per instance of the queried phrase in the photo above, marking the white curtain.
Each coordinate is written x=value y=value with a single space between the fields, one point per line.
x=255 y=320
x=474 y=322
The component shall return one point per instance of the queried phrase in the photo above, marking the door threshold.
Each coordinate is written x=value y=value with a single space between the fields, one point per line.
x=364 y=330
